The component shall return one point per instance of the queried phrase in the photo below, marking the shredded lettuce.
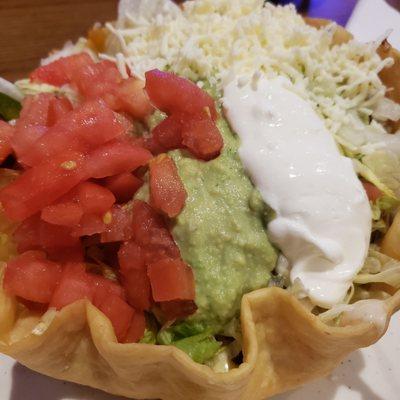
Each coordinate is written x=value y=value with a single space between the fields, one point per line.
x=149 y=337
x=9 y=108
x=69 y=49
x=200 y=348
x=383 y=210
x=376 y=155
x=193 y=338
x=10 y=90
x=28 y=87
x=379 y=268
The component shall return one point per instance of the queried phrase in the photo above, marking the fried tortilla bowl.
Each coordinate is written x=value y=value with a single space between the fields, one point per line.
x=284 y=344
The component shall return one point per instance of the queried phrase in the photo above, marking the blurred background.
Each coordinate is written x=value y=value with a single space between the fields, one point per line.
x=29 y=29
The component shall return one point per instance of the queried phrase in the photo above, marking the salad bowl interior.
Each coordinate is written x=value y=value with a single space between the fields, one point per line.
x=284 y=345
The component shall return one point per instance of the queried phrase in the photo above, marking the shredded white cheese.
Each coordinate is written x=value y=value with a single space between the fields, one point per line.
x=215 y=40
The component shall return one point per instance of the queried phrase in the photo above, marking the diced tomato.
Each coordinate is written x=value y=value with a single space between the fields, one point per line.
x=35 y=233
x=171 y=93
x=104 y=288
x=145 y=222
x=178 y=309
x=59 y=72
x=171 y=279
x=97 y=79
x=167 y=193
x=83 y=129
x=54 y=236
x=131 y=256
x=202 y=137
x=132 y=98
x=93 y=198
x=137 y=287
x=123 y=186
x=66 y=214
x=150 y=232
x=6 y=134
x=32 y=122
x=64 y=255
x=26 y=236
x=120 y=226
x=150 y=144
x=35 y=109
x=373 y=192
x=32 y=277
x=116 y=158
x=90 y=224
x=136 y=328
x=42 y=185
x=119 y=313
x=168 y=133
x=58 y=108
x=75 y=284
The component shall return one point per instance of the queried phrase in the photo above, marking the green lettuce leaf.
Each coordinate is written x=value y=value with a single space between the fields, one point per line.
x=193 y=338
x=9 y=108
x=200 y=348
x=149 y=337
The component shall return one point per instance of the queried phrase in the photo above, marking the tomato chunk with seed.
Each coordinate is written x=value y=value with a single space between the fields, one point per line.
x=85 y=128
x=66 y=214
x=58 y=108
x=137 y=287
x=120 y=226
x=131 y=98
x=116 y=158
x=168 y=133
x=373 y=192
x=136 y=328
x=171 y=93
x=6 y=134
x=75 y=284
x=59 y=72
x=104 y=288
x=119 y=313
x=41 y=185
x=131 y=256
x=93 y=198
x=32 y=277
x=167 y=193
x=202 y=137
x=171 y=279
x=123 y=186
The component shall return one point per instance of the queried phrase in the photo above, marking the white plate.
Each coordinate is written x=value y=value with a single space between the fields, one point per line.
x=368 y=374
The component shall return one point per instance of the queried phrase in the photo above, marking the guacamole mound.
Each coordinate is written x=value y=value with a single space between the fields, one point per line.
x=221 y=232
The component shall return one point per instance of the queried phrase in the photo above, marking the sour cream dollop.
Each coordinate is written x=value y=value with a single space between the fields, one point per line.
x=323 y=216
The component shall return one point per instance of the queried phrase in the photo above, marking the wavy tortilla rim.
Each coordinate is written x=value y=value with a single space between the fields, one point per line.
x=284 y=346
